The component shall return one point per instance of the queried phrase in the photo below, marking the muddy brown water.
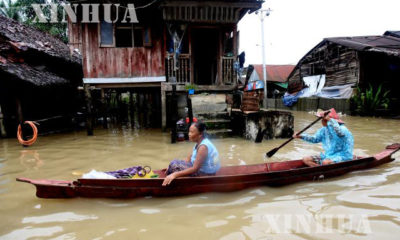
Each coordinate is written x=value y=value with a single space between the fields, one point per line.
x=358 y=205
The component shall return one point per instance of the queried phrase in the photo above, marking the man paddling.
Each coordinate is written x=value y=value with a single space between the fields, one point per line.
x=337 y=141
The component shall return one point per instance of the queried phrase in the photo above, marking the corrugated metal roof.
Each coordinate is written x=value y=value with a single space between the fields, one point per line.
x=392 y=33
x=386 y=44
x=275 y=73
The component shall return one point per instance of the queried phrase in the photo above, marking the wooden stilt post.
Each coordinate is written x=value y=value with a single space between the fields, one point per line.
x=157 y=109
x=118 y=100
x=21 y=119
x=131 y=109
x=115 y=106
x=104 y=110
x=139 y=109
x=19 y=111
x=110 y=104
x=145 y=110
x=174 y=113
x=163 y=108
x=89 y=114
x=190 y=110
x=3 y=132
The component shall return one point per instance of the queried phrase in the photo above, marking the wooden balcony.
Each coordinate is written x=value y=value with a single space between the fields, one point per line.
x=228 y=73
x=180 y=69
x=207 y=11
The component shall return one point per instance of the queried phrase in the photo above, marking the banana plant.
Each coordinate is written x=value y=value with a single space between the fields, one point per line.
x=368 y=101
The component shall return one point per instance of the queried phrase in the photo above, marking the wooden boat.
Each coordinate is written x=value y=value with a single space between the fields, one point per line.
x=230 y=178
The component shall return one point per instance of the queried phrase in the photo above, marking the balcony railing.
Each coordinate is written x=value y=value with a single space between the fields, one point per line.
x=228 y=73
x=178 y=68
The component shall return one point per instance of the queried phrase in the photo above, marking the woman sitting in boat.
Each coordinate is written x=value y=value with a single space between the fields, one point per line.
x=202 y=161
x=337 y=141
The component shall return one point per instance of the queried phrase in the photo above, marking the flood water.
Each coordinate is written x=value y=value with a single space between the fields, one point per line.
x=358 y=205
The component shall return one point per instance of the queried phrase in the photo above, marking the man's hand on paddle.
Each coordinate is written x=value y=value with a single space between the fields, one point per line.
x=296 y=135
x=326 y=117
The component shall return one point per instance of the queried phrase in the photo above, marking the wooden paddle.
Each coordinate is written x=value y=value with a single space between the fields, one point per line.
x=260 y=135
x=273 y=151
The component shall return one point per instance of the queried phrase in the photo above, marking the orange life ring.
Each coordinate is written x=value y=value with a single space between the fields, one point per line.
x=34 y=137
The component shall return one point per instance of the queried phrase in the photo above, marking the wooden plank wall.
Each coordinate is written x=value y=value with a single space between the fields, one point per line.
x=74 y=36
x=342 y=69
x=107 y=62
x=340 y=64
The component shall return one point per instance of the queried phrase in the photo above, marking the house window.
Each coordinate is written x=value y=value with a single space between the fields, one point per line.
x=106 y=34
x=127 y=35
x=123 y=35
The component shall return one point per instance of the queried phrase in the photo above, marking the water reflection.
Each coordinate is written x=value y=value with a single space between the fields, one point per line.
x=216 y=223
x=247 y=214
x=58 y=217
x=30 y=159
x=226 y=204
x=149 y=211
x=30 y=232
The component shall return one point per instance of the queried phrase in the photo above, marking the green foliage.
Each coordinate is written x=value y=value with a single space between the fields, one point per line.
x=368 y=101
x=10 y=9
x=191 y=86
x=57 y=29
x=22 y=11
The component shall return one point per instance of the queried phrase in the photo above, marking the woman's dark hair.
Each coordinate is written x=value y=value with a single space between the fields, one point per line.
x=201 y=127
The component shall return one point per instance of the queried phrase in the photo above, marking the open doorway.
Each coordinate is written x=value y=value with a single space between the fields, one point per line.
x=205 y=42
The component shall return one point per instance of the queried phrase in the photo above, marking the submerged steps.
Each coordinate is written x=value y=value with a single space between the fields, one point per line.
x=212 y=109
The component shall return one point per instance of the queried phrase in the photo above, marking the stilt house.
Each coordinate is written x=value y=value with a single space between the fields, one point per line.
x=173 y=42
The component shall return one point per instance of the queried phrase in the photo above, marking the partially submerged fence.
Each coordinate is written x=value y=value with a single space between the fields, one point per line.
x=312 y=104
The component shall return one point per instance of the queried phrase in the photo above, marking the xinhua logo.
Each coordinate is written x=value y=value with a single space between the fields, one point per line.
x=89 y=13
x=314 y=224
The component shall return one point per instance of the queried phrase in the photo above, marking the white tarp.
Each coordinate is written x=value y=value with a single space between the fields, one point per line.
x=337 y=92
x=97 y=175
x=315 y=84
x=316 y=88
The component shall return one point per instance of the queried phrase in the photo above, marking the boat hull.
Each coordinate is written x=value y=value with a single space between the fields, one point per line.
x=228 y=179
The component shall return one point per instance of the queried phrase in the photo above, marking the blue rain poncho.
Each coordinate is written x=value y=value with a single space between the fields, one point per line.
x=337 y=141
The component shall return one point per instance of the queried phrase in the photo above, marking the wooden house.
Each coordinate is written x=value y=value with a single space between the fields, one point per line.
x=39 y=77
x=352 y=61
x=173 y=41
